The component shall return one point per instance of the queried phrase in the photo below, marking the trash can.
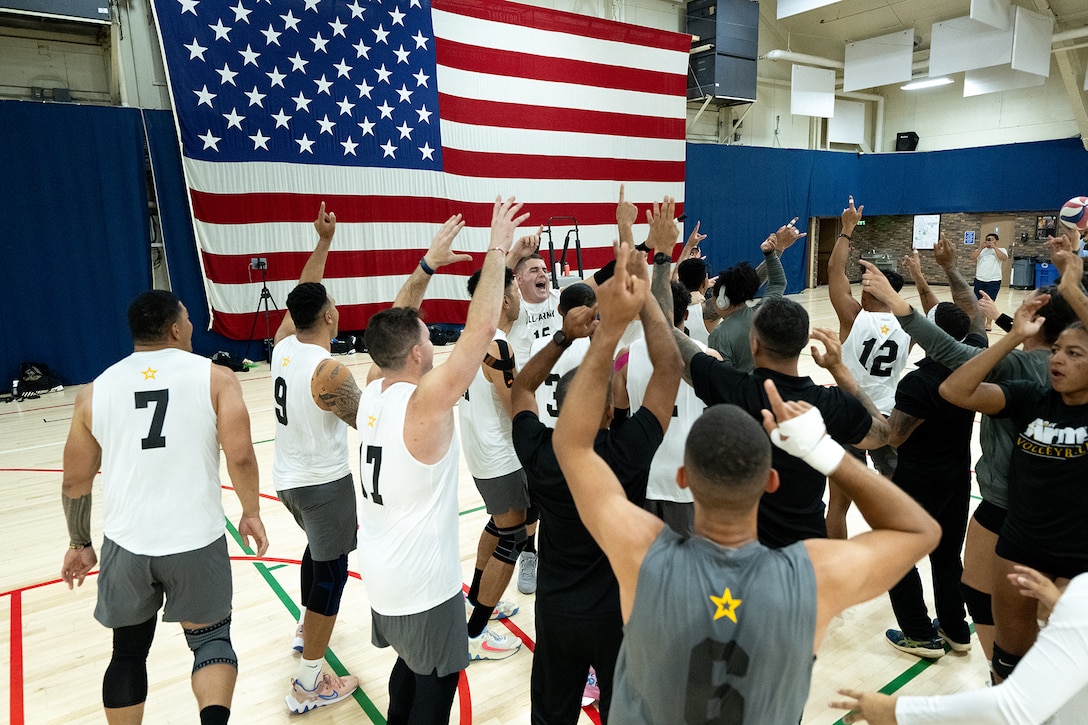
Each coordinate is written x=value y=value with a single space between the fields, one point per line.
x=1045 y=274
x=1023 y=273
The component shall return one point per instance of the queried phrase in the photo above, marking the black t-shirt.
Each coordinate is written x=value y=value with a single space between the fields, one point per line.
x=573 y=574
x=1048 y=477
x=938 y=451
x=796 y=510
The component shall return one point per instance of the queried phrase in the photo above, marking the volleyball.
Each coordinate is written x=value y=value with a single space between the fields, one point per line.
x=1074 y=213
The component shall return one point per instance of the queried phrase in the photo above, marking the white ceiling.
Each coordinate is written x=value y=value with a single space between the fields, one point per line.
x=826 y=30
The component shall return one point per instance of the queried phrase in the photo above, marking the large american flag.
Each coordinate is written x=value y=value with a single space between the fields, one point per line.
x=399 y=114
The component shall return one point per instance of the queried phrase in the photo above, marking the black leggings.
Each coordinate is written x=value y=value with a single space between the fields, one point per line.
x=416 y=699
x=125 y=681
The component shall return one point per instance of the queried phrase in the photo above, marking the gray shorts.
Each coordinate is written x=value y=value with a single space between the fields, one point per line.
x=680 y=517
x=502 y=493
x=433 y=640
x=197 y=585
x=326 y=512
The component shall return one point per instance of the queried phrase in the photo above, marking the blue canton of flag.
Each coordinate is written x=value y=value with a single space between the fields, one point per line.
x=304 y=82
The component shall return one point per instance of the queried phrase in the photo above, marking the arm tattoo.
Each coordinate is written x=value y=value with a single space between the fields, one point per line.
x=344 y=401
x=77 y=512
x=688 y=350
x=661 y=289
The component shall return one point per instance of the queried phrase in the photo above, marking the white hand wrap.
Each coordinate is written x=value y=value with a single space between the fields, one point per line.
x=806 y=437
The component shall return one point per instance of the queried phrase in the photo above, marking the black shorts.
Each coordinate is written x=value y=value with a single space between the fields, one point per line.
x=1054 y=565
x=990 y=516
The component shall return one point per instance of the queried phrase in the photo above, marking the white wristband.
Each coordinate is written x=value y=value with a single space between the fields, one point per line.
x=826 y=456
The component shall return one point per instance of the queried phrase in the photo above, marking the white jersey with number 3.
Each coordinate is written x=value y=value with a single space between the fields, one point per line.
x=875 y=352
x=152 y=414
x=547 y=406
x=409 y=556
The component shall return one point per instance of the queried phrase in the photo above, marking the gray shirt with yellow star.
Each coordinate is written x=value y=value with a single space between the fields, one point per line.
x=717 y=633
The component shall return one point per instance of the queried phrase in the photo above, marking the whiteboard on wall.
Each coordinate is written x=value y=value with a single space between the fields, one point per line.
x=927 y=229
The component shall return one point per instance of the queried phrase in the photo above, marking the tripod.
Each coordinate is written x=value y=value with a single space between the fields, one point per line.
x=266 y=297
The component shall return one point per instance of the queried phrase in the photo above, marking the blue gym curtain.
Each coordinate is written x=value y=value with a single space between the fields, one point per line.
x=186 y=279
x=73 y=199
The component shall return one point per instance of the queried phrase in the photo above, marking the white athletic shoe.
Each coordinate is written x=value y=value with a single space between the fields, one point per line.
x=492 y=646
x=527 y=572
x=330 y=690
x=502 y=610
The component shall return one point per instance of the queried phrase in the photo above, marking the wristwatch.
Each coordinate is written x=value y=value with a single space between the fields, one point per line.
x=561 y=340
x=662 y=258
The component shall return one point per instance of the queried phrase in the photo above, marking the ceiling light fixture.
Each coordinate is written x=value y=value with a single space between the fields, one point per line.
x=926 y=83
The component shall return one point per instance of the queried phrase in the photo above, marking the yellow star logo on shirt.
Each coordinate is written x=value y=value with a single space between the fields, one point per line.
x=727 y=606
x=370 y=421
x=884 y=329
x=149 y=374
x=286 y=361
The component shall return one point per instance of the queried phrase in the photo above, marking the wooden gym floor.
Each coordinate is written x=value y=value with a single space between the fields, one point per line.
x=53 y=652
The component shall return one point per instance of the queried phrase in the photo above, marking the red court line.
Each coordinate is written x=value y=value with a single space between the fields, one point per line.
x=465 y=698
x=35 y=410
x=15 y=688
x=269 y=496
x=35 y=470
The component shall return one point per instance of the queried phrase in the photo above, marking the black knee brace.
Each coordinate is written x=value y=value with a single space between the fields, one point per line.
x=511 y=543
x=1004 y=663
x=125 y=681
x=329 y=580
x=211 y=645
x=491 y=527
x=979 y=605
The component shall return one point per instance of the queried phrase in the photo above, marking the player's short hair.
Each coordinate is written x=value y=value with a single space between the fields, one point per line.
x=950 y=318
x=576 y=295
x=563 y=386
x=681 y=298
x=306 y=302
x=151 y=314
x=994 y=235
x=691 y=273
x=525 y=260
x=1058 y=313
x=740 y=283
x=390 y=336
x=727 y=457
x=781 y=326
x=894 y=279
x=474 y=280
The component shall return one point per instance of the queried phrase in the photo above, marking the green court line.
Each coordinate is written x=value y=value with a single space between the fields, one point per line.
x=266 y=572
x=277 y=566
x=270 y=440
x=472 y=511
x=909 y=674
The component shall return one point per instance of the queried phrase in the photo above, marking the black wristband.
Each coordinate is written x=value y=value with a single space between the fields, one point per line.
x=847 y=236
x=662 y=258
x=605 y=273
x=426 y=267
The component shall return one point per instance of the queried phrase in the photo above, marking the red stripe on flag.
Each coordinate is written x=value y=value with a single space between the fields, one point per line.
x=287 y=266
x=234 y=268
x=544 y=68
x=544 y=118
x=564 y=22
x=287 y=207
x=237 y=325
x=529 y=166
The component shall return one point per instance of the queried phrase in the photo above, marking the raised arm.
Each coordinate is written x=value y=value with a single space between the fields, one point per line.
x=232 y=428
x=773 y=247
x=623 y=530
x=838 y=284
x=438 y=255
x=690 y=250
x=440 y=388
x=831 y=360
x=334 y=389
x=82 y=458
x=660 y=397
x=314 y=269
x=966 y=388
x=926 y=297
x=1072 y=268
x=962 y=293
x=579 y=322
x=853 y=571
